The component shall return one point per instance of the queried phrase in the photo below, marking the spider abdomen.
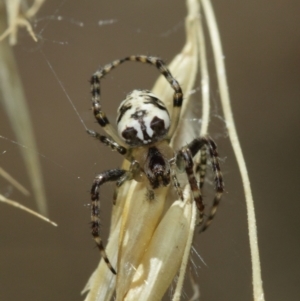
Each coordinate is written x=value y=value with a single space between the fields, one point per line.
x=142 y=118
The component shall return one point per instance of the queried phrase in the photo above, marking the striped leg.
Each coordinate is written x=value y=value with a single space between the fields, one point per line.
x=160 y=65
x=186 y=156
x=110 y=175
x=201 y=167
x=109 y=142
x=187 y=153
x=96 y=106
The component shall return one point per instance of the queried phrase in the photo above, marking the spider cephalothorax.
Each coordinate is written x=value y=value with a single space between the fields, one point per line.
x=143 y=137
x=154 y=162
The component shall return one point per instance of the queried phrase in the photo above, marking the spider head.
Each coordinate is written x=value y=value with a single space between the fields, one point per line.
x=142 y=118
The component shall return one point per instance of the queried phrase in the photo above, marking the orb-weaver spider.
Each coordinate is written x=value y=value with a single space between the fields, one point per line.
x=145 y=129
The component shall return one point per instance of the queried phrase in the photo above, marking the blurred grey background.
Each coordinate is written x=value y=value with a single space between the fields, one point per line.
x=261 y=41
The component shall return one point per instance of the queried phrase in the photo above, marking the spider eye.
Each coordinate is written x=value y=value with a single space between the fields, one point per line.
x=142 y=118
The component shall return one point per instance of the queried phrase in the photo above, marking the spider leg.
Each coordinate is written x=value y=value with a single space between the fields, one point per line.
x=161 y=66
x=201 y=167
x=96 y=106
x=186 y=156
x=109 y=142
x=106 y=176
x=176 y=184
x=186 y=159
x=134 y=172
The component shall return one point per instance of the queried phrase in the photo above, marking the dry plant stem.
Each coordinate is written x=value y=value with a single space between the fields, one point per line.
x=163 y=255
x=138 y=213
x=196 y=30
x=18 y=205
x=258 y=293
x=34 y=8
x=204 y=78
x=17 y=16
x=13 y=182
x=186 y=255
x=13 y=99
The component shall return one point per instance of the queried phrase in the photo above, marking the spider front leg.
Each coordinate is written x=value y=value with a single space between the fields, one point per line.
x=185 y=159
x=106 y=176
x=96 y=106
x=108 y=141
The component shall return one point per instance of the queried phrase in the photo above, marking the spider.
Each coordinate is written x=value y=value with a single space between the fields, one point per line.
x=143 y=137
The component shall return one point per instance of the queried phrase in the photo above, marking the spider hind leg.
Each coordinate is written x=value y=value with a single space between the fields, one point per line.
x=185 y=158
